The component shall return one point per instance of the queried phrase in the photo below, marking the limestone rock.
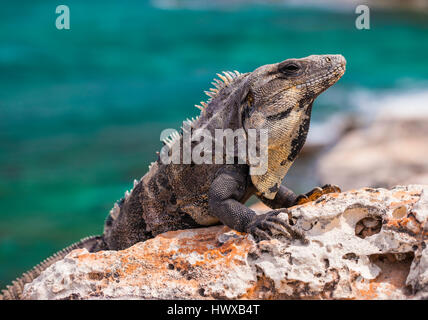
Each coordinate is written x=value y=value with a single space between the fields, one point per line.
x=362 y=244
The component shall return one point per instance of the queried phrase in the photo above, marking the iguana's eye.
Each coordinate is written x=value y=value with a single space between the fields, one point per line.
x=290 y=68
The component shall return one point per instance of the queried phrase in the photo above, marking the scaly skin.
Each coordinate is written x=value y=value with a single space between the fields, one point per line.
x=277 y=97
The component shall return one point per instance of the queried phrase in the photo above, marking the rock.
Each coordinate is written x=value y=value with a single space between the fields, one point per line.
x=386 y=258
x=390 y=151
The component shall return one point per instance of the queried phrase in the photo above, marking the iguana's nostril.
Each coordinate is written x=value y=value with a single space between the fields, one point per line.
x=328 y=59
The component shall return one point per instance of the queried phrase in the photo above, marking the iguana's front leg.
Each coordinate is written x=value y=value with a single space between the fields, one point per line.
x=284 y=198
x=227 y=191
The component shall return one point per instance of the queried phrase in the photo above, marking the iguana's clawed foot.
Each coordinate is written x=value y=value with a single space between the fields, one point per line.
x=317 y=192
x=264 y=226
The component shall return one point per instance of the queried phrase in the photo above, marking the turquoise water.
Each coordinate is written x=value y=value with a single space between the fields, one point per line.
x=81 y=110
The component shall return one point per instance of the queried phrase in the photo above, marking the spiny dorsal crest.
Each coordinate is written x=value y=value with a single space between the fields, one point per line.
x=114 y=212
x=224 y=80
x=175 y=136
x=169 y=141
x=151 y=164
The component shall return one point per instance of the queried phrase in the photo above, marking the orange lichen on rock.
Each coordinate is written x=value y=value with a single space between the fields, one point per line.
x=408 y=223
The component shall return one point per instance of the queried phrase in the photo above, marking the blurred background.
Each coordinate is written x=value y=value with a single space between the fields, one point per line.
x=81 y=110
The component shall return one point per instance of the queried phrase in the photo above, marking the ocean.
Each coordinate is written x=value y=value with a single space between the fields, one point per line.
x=81 y=110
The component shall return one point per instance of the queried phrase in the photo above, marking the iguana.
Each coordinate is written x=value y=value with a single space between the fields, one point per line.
x=277 y=97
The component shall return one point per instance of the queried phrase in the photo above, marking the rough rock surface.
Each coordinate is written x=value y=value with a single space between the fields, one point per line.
x=362 y=244
x=390 y=151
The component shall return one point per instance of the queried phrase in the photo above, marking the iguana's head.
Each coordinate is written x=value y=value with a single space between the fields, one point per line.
x=279 y=98
x=280 y=92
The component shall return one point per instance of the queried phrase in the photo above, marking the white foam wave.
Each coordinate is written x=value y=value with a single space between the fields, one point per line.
x=397 y=103
x=331 y=5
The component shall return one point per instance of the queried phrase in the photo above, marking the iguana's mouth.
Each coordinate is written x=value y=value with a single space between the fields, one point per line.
x=336 y=72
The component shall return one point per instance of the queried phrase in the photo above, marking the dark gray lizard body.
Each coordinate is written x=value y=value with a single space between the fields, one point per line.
x=275 y=97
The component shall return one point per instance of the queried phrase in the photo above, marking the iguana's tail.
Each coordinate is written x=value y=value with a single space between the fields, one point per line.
x=14 y=291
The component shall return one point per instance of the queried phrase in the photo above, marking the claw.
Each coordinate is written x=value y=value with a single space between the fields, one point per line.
x=317 y=192
x=262 y=235
x=262 y=226
x=329 y=188
x=302 y=199
x=293 y=233
x=273 y=226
